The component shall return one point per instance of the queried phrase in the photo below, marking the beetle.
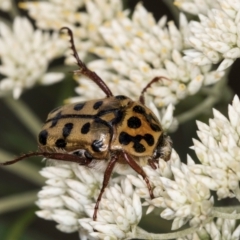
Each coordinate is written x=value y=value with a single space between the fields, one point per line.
x=115 y=130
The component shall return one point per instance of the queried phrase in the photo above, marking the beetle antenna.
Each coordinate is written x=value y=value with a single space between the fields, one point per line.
x=83 y=68
x=53 y=155
x=156 y=79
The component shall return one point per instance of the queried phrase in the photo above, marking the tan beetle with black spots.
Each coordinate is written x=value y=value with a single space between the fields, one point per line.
x=114 y=130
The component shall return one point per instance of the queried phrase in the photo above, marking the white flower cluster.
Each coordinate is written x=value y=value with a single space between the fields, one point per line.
x=219 y=152
x=119 y=214
x=68 y=199
x=85 y=23
x=216 y=37
x=177 y=191
x=54 y=14
x=196 y=6
x=25 y=56
x=140 y=49
x=219 y=229
x=68 y=190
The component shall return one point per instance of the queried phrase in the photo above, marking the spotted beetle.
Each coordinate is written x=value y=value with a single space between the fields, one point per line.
x=114 y=130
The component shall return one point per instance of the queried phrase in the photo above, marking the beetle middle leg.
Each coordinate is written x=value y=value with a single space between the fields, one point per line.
x=107 y=175
x=139 y=170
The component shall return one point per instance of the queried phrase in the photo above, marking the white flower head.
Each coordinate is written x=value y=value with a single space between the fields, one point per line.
x=140 y=49
x=218 y=150
x=25 y=55
x=196 y=6
x=119 y=214
x=84 y=23
x=5 y=5
x=216 y=37
x=216 y=229
x=177 y=191
x=68 y=190
x=69 y=199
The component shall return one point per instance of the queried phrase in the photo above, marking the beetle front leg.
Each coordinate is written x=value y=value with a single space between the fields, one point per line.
x=107 y=175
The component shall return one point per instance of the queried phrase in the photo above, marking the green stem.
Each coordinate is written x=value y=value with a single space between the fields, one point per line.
x=17 y=229
x=214 y=95
x=220 y=212
x=17 y=201
x=142 y=234
x=22 y=169
x=226 y=212
x=25 y=114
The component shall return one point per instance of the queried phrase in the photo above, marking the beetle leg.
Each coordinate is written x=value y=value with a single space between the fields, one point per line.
x=152 y=163
x=107 y=175
x=66 y=157
x=156 y=79
x=83 y=68
x=139 y=170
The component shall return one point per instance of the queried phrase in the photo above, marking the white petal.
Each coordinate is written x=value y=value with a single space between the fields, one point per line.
x=50 y=78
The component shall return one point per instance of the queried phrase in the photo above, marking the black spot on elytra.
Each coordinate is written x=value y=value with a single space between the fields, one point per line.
x=85 y=128
x=67 y=129
x=55 y=120
x=79 y=106
x=118 y=117
x=134 y=122
x=120 y=97
x=97 y=105
x=42 y=137
x=138 y=147
x=97 y=145
x=124 y=138
x=155 y=127
x=151 y=119
x=139 y=109
x=60 y=143
x=149 y=139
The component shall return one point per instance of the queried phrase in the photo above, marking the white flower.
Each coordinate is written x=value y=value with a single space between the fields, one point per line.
x=69 y=198
x=177 y=191
x=218 y=229
x=196 y=6
x=216 y=37
x=140 y=49
x=5 y=5
x=25 y=55
x=68 y=190
x=119 y=214
x=218 y=150
x=84 y=24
